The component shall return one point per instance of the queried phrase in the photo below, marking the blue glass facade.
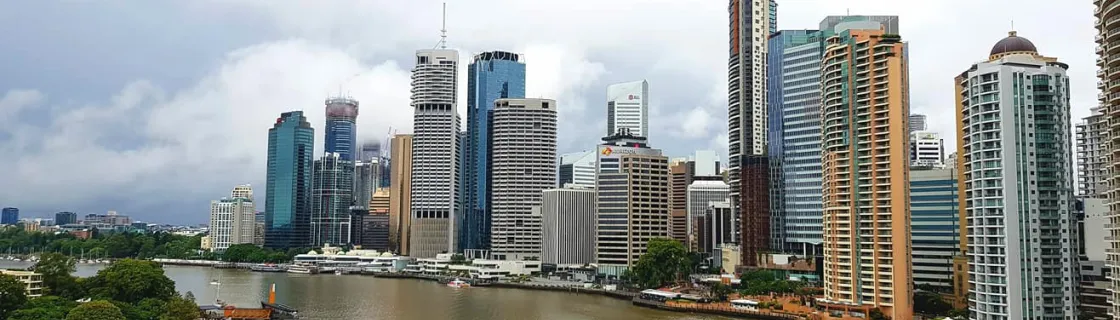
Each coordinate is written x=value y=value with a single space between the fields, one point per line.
x=491 y=76
x=341 y=133
x=9 y=216
x=291 y=145
x=65 y=218
x=935 y=226
x=795 y=133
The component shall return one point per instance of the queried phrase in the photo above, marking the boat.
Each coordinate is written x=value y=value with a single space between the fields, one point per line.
x=303 y=269
x=338 y=272
x=266 y=268
x=215 y=282
x=458 y=284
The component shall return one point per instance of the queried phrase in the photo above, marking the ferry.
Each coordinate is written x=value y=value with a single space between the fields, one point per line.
x=458 y=284
x=303 y=269
x=266 y=268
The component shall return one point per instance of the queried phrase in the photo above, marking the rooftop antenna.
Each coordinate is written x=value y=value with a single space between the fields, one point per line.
x=443 y=29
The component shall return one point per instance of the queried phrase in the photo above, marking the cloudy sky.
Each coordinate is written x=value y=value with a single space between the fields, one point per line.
x=153 y=108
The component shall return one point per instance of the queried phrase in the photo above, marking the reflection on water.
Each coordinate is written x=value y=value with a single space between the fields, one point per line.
x=365 y=297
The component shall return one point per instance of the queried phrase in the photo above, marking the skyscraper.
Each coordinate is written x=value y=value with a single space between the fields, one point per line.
x=632 y=192
x=400 y=194
x=9 y=216
x=287 y=204
x=1092 y=154
x=435 y=153
x=865 y=167
x=65 y=218
x=795 y=148
x=331 y=201
x=1013 y=120
x=523 y=164
x=490 y=76
x=917 y=122
x=1105 y=16
x=577 y=168
x=746 y=115
x=935 y=226
x=700 y=195
x=341 y=134
x=628 y=107
x=365 y=182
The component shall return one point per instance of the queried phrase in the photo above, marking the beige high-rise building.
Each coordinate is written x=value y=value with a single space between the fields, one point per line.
x=864 y=109
x=400 y=193
x=380 y=203
x=632 y=187
x=1107 y=19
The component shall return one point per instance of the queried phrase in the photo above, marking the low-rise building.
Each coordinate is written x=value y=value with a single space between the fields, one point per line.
x=495 y=269
x=33 y=281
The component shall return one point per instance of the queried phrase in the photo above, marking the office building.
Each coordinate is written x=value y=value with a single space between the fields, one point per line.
x=365 y=182
x=370 y=229
x=9 y=216
x=917 y=122
x=258 y=229
x=700 y=196
x=380 y=202
x=568 y=225
x=577 y=168
x=935 y=226
x=109 y=220
x=628 y=107
x=1093 y=291
x=1013 y=126
x=714 y=227
x=522 y=165
x=795 y=144
x=332 y=200
x=1092 y=154
x=341 y=131
x=680 y=177
x=864 y=161
x=233 y=219
x=491 y=76
x=287 y=205
x=632 y=194
x=400 y=194
x=435 y=154
x=65 y=218
x=371 y=152
x=927 y=149
x=749 y=173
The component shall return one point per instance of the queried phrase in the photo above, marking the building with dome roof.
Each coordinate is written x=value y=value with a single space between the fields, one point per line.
x=1013 y=120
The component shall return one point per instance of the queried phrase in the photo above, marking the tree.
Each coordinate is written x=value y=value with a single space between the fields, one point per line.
x=13 y=295
x=877 y=314
x=96 y=310
x=930 y=303
x=130 y=281
x=56 y=270
x=45 y=307
x=180 y=308
x=665 y=261
x=719 y=292
x=458 y=258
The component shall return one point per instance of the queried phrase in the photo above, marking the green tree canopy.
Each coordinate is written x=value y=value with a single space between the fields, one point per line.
x=930 y=303
x=664 y=262
x=45 y=307
x=96 y=310
x=251 y=253
x=56 y=269
x=130 y=281
x=13 y=295
x=180 y=308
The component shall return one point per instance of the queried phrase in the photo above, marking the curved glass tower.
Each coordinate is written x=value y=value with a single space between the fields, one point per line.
x=291 y=142
x=342 y=131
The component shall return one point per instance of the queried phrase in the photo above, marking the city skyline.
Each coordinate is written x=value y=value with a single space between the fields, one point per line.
x=575 y=73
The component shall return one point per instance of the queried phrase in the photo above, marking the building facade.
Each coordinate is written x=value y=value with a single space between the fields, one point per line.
x=522 y=165
x=795 y=135
x=9 y=216
x=332 y=201
x=400 y=194
x=701 y=194
x=680 y=177
x=628 y=107
x=864 y=170
x=568 y=226
x=341 y=131
x=1092 y=154
x=917 y=122
x=632 y=196
x=577 y=168
x=65 y=218
x=1013 y=122
x=490 y=76
x=435 y=154
x=1105 y=16
x=232 y=220
x=935 y=226
x=927 y=149
x=287 y=204
x=1094 y=288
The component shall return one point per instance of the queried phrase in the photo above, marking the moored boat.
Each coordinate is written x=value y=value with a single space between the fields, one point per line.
x=303 y=269
x=458 y=284
x=268 y=267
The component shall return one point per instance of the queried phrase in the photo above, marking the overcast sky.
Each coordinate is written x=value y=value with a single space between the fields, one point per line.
x=154 y=108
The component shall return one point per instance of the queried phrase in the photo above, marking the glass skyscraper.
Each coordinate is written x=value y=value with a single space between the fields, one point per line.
x=9 y=216
x=331 y=200
x=341 y=131
x=491 y=75
x=795 y=136
x=291 y=144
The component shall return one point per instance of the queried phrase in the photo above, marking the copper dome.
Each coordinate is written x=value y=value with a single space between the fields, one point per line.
x=1013 y=43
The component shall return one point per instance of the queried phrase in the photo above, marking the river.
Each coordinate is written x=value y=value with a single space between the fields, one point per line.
x=347 y=297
